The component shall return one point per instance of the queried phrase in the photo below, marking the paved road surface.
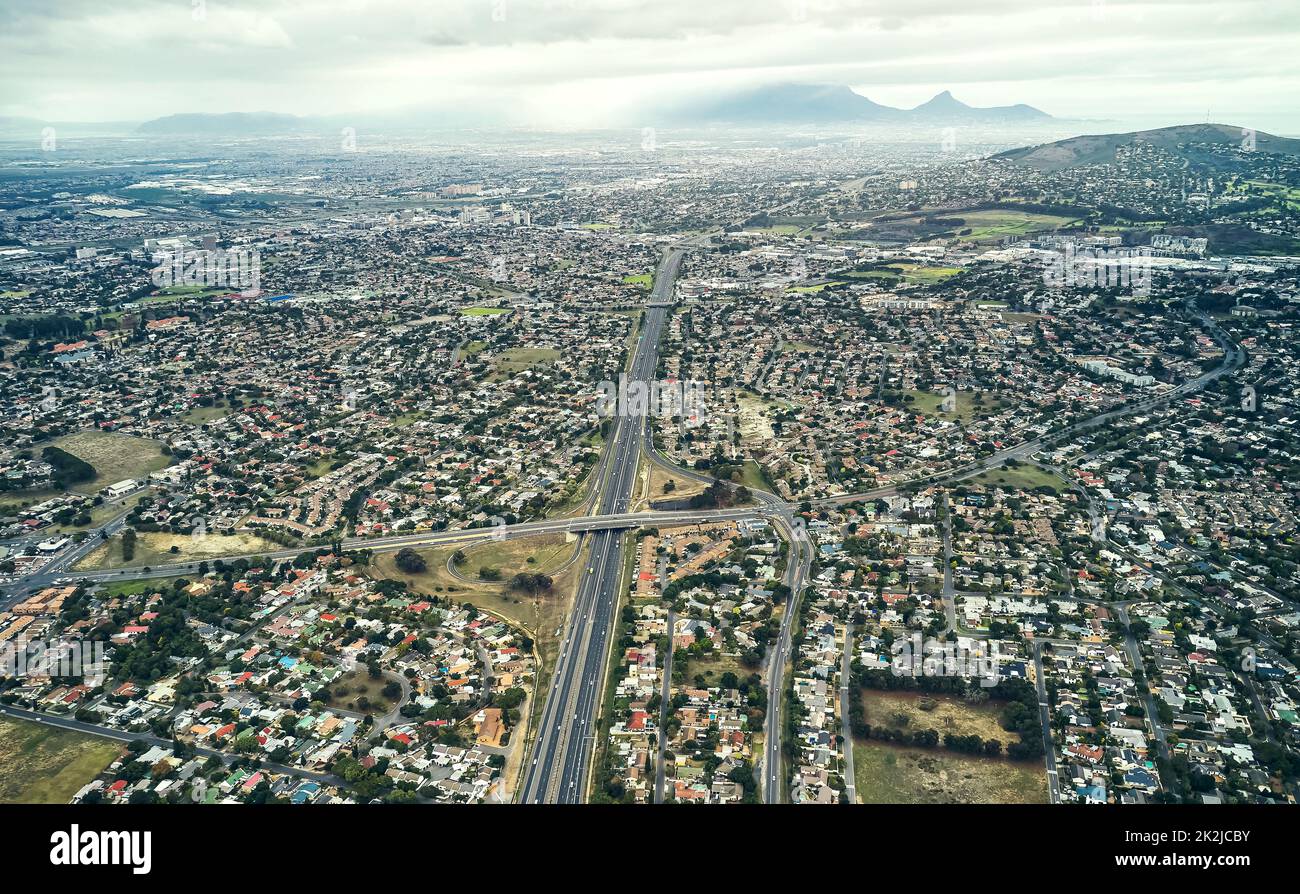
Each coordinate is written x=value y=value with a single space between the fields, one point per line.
x=557 y=769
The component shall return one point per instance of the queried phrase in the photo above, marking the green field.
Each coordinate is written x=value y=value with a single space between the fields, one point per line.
x=929 y=402
x=995 y=224
x=44 y=765
x=200 y=415
x=908 y=272
x=639 y=279
x=886 y=774
x=1023 y=477
x=513 y=360
x=483 y=311
x=115 y=456
x=710 y=667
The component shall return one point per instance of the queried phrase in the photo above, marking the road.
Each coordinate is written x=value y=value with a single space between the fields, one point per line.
x=118 y=735
x=557 y=771
x=1045 y=717
x=846 y=723
x=796 y=575
x=1234 y=357
x=1148 y=700
x=665 y=696
x=559 y=763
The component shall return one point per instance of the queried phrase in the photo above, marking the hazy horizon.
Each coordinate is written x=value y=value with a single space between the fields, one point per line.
x=591 y=63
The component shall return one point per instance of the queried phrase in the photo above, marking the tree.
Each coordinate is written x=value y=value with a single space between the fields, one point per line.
x=530 y=583
x=410 y=562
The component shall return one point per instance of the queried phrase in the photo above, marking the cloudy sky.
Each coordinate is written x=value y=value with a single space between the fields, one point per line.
x=594 y=62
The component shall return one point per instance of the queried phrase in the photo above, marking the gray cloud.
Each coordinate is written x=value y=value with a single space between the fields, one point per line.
x=558 y=59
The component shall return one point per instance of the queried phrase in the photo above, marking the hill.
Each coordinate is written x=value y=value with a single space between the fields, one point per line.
x=1188 y=141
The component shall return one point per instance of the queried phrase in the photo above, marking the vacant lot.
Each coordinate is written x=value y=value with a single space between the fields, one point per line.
x=358 y=691
x=545 y=554
x=711 y=667
x=969 y=405
x=200 y=415
x=682 y=487
x=1022 y=477
x=153 y=548
x=993 y=225
x=885 y=774
x=115 y=457
x=913 y=711
x=43 y=765
x=514 y=360
x=754 y=419
x=913 y=273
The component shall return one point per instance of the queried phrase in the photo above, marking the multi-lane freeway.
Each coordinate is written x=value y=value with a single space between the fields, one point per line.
x=558 y=766
x=556 y=770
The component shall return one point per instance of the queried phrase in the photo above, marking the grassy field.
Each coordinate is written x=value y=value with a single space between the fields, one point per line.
x=640 y=279
x=682 y=486
x=929 y=402
x=347 y=691
x=115 y=457
x=802 y=290
x=513 y=360
x=132 y=587
x=1023 y=477
x=43 y=765
x=483 y=311
x=754 y=478
x=1013 y=317
x=542 y=616
x=200 y=415
x=542 y=554
x=885 y=774
x=155 y=548
x=993 y=225
x=913 y=273
x=910 y=710
x=710 y=667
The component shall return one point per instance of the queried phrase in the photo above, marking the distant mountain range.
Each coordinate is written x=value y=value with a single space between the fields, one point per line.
x=253 y=124
x=837 y=104
x=1185 y=141
x=775 y=104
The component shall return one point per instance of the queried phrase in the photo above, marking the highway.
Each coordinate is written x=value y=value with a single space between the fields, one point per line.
x=1045 y=719
x=558 y=768
x=769 y=504
x=798 y=565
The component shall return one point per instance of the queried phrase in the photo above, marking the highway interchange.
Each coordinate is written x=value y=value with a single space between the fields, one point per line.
x=558 y=766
